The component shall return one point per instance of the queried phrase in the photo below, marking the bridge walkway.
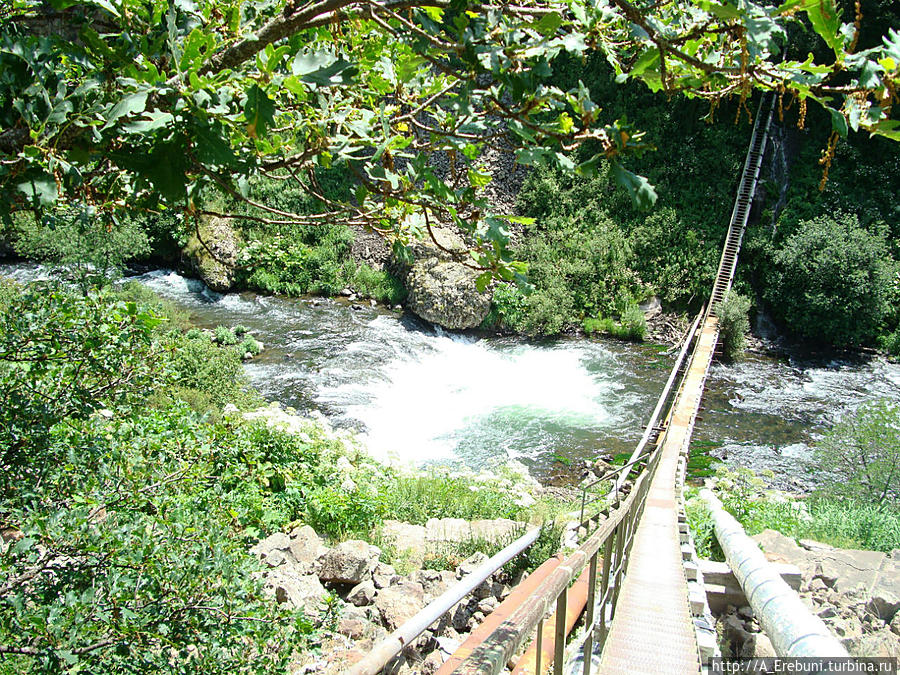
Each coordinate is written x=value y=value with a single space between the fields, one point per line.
x=652 y=629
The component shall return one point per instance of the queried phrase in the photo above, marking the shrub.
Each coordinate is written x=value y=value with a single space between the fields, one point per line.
x=508 y=309
x=124 y=503
x=833 y=280
x=862 y=452
x=240 y=330
x=733 y=324
x=249 y=345
x=225 y=336
x=891 y=343
x=634 y=324
x=577 y=256
x=92 y=248
x=380 y=285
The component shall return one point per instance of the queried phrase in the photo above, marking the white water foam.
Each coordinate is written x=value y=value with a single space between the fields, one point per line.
x=421 y=405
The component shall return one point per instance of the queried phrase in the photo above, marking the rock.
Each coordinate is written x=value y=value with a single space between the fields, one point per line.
x=350 y=562
x=758 y=646
x=847 y=629
x=651 y=307
x=300 y=592
x=275 y=558
x=353 y=627
x=885 y=600
x=735 y=633
x=895 y=624
x=384 y=575
x=488 y=605
x=399 y=603
x=817 y=585
x=434 y=582
x=404 y=536
x=432 y=663
x=444 y=293
x=884 y=643
x=213 y=255
x=305 y=546
x=470 y=564
x=362 y=594
x=278 y=541
x=782 y=549
x=461 y=615
x=846 y=569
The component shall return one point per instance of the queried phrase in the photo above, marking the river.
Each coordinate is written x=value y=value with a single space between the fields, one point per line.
x=419 y=395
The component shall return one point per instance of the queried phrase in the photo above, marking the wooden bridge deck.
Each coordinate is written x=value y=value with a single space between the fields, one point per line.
x=653 y=632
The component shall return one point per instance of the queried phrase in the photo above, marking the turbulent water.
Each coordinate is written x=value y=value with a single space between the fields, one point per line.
x=418 y=395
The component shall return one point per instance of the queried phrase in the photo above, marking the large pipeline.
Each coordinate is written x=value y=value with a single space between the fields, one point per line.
x=792 y=628
x=393 y=644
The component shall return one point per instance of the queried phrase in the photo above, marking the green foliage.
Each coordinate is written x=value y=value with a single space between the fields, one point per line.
x=702 y=528
x=91 y=249
x=380 y=285
x=173 y=317
x=225 y=336
x=249 y=345
x=205 y=375
x=135 y=509
x=851 y=522
x=577 y=256
x=734 y=324
x=508 y=309
x=632 y=325
x=168 y=102
x=891 y=343
x=862 y=451
x=833 y=280
x=417 y=498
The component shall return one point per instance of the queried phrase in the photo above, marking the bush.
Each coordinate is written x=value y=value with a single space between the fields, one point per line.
x=508 y=309
x=249 y=345
x=862 y=452
x=734 y=325
x=225 y=336
x=833 y=281
x=131 y=507
x=380 y=285
x=632 y=326
x=577 y=256
x=91 y=248
x=891 y=343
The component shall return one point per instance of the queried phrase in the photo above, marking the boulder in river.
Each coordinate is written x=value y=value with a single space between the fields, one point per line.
x=444 y=293
x=213 y=254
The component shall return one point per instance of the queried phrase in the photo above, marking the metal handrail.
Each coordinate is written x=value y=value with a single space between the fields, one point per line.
x=613 y=538
x=393 y=644
x=664 y=402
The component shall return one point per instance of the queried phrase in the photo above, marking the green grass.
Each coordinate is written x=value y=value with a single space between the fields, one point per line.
x=840 y=523
x=417 y=498
x=845 y=524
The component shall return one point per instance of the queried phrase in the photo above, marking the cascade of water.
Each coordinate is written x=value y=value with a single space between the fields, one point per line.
x=778 y=169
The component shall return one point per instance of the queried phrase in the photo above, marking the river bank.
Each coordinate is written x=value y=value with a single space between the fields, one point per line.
x=551 y=404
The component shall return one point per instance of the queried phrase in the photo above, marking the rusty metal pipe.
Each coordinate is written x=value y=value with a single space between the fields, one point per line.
x=574 y=607
x=393 y=644
x=495 y=618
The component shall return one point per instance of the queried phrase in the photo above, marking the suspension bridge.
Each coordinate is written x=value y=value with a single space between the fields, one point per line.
x=626 y=601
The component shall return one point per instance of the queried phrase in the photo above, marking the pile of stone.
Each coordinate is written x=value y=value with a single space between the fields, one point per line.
x=856 y=593
x=363 y=599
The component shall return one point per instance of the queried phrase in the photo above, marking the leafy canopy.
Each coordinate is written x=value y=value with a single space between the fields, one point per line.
x=117 y=104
